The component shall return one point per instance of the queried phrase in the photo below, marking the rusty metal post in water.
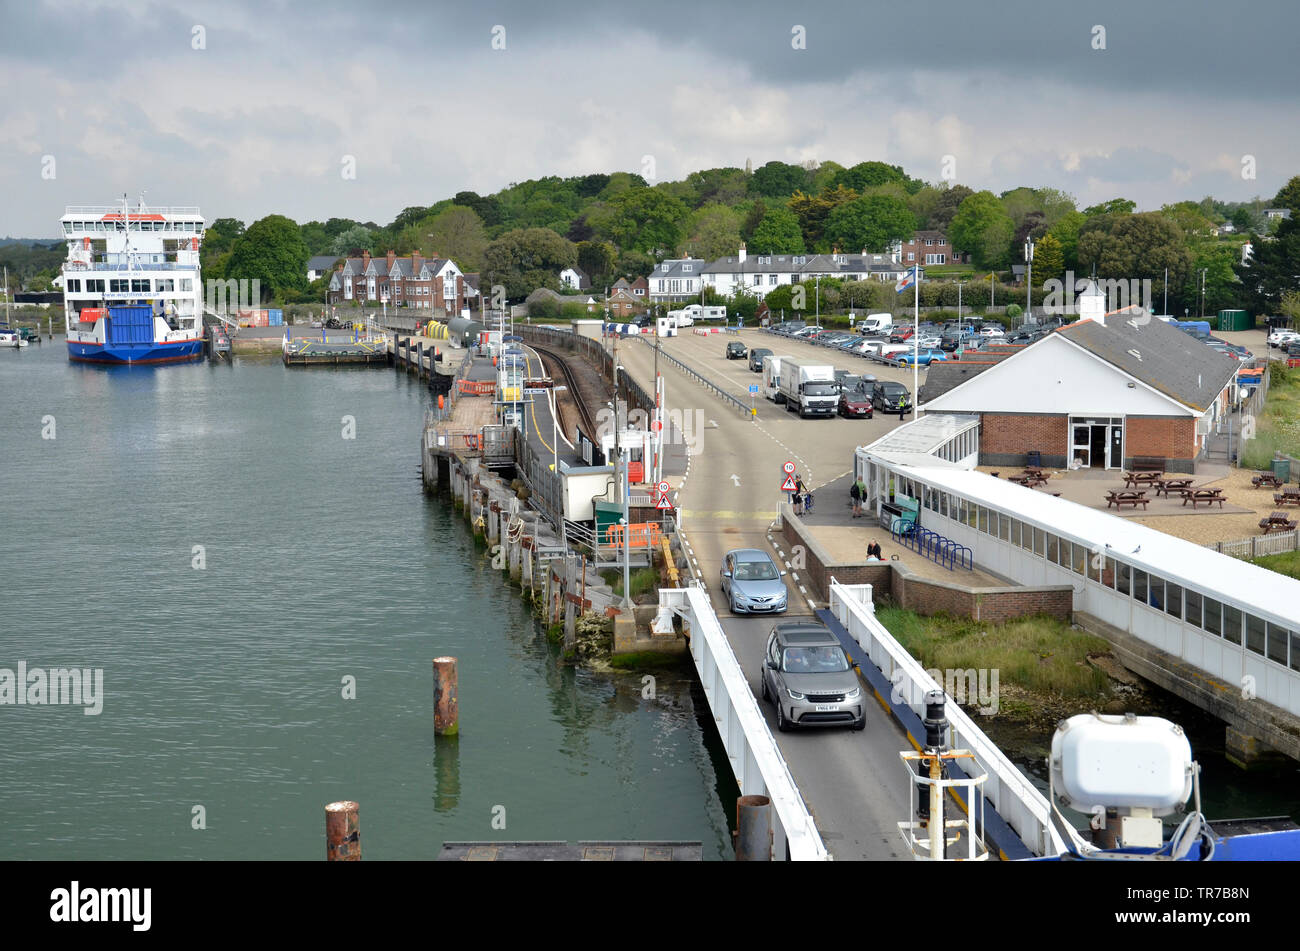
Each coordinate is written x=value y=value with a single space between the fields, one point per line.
x=342 y=832
x=753 y=829
x=446 y=707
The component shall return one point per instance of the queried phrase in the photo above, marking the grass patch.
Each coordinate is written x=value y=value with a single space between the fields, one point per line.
x=1278 y=427
x=1040 y=654
x=555 y=633
x=1287 y=563
x=641 y=659
x=644 y=580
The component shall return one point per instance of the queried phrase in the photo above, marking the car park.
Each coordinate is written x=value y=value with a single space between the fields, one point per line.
x=900 y=334
x=752 y=583
x=756 y=355
x=803 y=332
x=809 y=679
x=1280 y=338
x=735 y=350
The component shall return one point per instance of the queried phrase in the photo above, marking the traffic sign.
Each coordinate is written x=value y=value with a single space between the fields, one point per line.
x=657 y=425
x=663 y=487
x=788 y=485
x=788 y=468
x=663 y=502
x=753 y=387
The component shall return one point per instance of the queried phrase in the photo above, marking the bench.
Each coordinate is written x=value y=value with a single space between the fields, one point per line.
x=1208 y=496
x=1136 y=478
x=1166 y=486
x=1267 y=479
x=1121 y=499
x=1289 y=497
x=1148 y=464
x=1277 y=522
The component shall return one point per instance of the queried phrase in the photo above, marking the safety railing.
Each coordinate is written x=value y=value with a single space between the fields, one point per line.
x=938 y=548
x=639 y=535
x=1015 y=798
x=756 y=761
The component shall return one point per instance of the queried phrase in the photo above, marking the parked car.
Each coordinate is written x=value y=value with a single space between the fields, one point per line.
x=809 y=679
x=922 y=358
x=849 y=342
x=804 y=332
x=892 y=350
x=756 y=355
x=900 y=334
x=885 y=395
x=855 y=401
x=1280 y=338
x=991 y=331
x=929 y=340
x=752 y=582
x=735 y=350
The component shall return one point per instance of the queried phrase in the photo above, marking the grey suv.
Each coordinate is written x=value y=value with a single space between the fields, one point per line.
x=809 y=679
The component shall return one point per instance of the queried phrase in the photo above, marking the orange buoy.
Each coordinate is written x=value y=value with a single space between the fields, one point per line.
x=439 y=401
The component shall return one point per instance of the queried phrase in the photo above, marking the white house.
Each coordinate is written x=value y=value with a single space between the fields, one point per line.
x=677 y=279
x=760 y=274
x=575 y=278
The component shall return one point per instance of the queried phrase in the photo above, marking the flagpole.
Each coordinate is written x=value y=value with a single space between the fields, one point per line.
x=916 y=342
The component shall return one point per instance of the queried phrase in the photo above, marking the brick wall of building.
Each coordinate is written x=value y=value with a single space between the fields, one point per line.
x=1006 y=440
x=1161 y=437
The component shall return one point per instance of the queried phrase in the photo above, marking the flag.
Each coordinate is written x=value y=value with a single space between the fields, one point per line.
x=906 y=280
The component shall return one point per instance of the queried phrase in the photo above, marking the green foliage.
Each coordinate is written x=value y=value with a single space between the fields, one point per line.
x=1014 y=311
x=1288 y=196
x=355 y=238
x=777 y=233
x=778 y=180
x=946 y=204
x=527 y=258
x=1049 y=260
x=1278 y=427
x=867 y=174
x=1066 y=231
x=813 y=211
x=711 y=232
x=640 y=219
x=1273 y=268
x=456 y=232
x=272 y=251
x=982 y=227
x=869 y=223
x=596 y=259
x=1116 y=206
x=1129 y=247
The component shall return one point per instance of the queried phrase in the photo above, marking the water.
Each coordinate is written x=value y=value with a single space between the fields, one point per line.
x=322 y=559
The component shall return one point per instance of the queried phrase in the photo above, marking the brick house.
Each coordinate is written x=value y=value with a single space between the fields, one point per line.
x=929 y=247
x=1102 y=392
x=415 y=282
x=621 y=302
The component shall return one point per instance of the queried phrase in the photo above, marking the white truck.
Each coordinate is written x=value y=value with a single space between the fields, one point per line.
x=809 y=388
x=693 y=312
x=876 y=324
x=772 y=375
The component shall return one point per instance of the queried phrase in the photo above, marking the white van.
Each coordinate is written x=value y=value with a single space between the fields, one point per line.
x=876 y=324
x=772 y=376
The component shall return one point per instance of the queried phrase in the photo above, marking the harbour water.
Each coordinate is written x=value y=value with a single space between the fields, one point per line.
x=211 y=537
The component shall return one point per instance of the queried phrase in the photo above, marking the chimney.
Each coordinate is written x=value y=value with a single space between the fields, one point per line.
x=338 y=265
x=416 y=262
x=741 y=256
x=365 y=260
x=392 y=256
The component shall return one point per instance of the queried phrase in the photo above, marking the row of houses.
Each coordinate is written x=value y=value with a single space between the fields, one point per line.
x=413 y=281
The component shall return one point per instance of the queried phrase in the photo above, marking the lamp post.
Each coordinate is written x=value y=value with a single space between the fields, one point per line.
x=1029 y=279
x=1204 y=271
x=959 y=287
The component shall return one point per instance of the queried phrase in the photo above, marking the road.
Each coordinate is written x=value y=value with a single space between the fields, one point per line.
x=853 y=783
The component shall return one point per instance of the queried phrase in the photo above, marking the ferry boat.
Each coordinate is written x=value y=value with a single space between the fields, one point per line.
x=132 y=288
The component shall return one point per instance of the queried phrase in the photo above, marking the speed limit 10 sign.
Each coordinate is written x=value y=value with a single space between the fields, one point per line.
x=788 y=468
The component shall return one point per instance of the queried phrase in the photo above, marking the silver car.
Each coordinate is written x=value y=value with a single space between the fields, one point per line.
x=752 y=582
x=809 y=679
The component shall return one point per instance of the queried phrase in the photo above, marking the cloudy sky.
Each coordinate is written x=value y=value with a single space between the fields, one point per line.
x=248 y=109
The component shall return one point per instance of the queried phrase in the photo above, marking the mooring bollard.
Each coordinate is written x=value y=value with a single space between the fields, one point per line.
x=342 y=832
x=446 y=708
x=753 y=829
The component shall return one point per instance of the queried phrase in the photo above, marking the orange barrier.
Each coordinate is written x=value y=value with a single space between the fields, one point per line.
x=473 y=440
x=642 y=535
x=476 y=387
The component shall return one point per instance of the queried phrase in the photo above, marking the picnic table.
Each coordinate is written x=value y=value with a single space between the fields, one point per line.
x=1267 y=479
x=1277 y=522
x=1120 y=499
x=1287 y=497
x=1166 y=486
x=1028 y=481
x=1141 y=478
x=1208 y=496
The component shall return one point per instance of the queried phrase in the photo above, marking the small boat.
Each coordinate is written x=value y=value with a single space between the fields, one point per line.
x=11 y=338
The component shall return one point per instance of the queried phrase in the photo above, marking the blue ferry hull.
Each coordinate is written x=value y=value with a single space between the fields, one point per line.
x=132 y=353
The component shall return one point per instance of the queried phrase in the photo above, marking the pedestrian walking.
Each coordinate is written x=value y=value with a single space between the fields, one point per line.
x=855 y=493
x=798 y=503
x=902 y=407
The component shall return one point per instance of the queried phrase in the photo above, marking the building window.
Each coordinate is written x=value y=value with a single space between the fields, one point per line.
x=118 y=286
x=1255 y=633
x=758 y=280
x=1193 y=607
x=74 y=285
x=911 y=256
x=771 y=280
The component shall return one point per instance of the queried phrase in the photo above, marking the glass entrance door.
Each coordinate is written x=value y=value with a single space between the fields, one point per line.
x=1081 y=446
x=1116 y=445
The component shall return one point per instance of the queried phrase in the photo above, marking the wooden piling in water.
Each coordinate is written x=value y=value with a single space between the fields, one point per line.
x=343 y=832
x=446 y=706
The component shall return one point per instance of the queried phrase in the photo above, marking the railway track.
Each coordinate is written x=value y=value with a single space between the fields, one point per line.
x=571 y=381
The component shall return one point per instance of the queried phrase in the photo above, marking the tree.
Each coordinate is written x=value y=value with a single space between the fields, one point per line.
x=946 y=206
x=1066 y=230
x=1290 y=306
x=487 y=208
x=1116 y=206
x=1289 y=196
x=982 y=227
x=407 y=217
x=711 y=232
x=864 y=175
x=752 y=219
x=356 y=238
x=525 y=259
x=1049 y=260
x=272 y=251
x=869 y=223
x=1189 y=218
x=725 y=186
x=315 y=237
x=777 y=233
x=1135 y=247
x=596 y=258
x=457 y=233
x=814 y=210
x=641 y=219
x=1273 y=268
x=220 y=236
x=1242 y=219
x=1020 y=203
x=778 y=180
